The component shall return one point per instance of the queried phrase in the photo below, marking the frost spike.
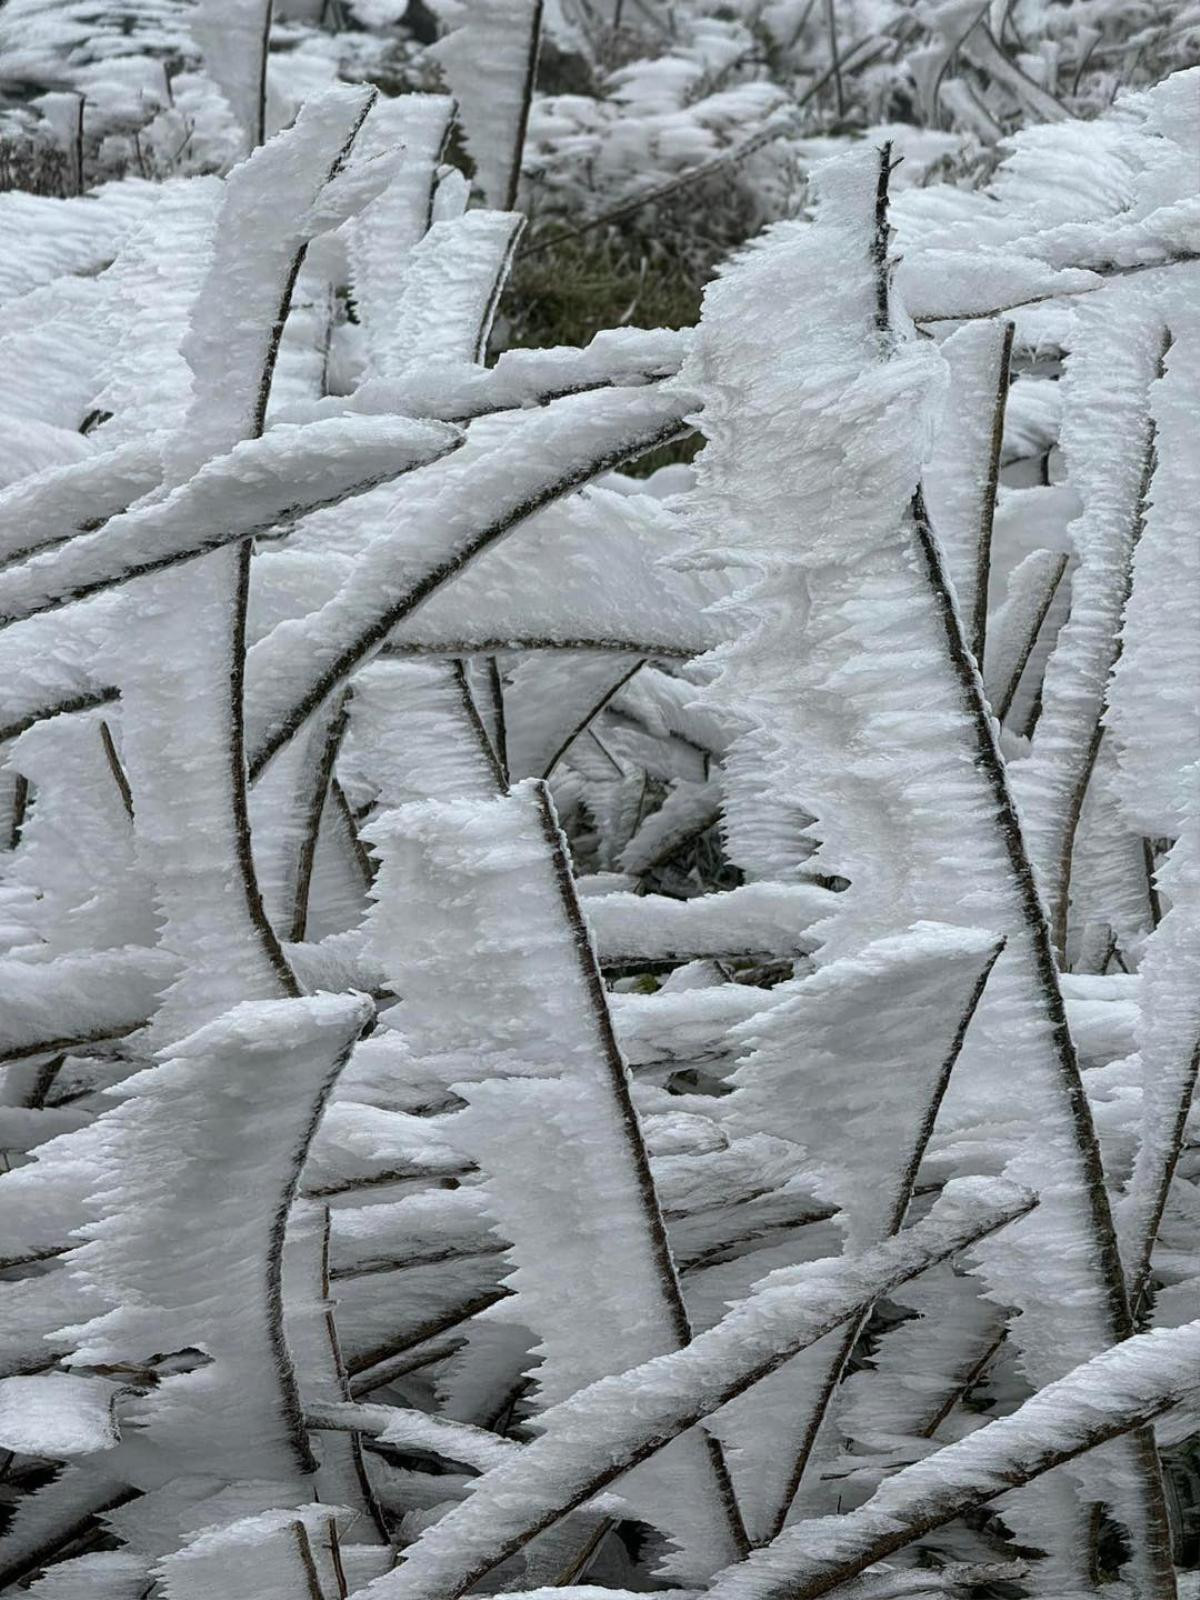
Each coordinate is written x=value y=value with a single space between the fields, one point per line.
x=1031 y=590
x=53 y=1518
x=1109 y=442
x=960 y=481
x=491 y=48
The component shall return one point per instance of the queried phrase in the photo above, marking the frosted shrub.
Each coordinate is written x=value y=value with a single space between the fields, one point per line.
x=558 y=1033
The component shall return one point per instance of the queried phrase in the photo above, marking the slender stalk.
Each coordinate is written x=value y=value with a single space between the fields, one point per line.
x=374 y=633
x=335 y=1558
x=264 y=41
x=983 y=556
x=496 y=690
x=239 y=795
x=476 y=724
x=492 y=644
x=20 y=805
x=307 y=1561
x=586 y=721
x=320 y=793
x=87 y=701
x=527 y=86
x=856 y=1326
x=1139 y=1281
x=618 y=1076
x=835 y=58
x=117 y=770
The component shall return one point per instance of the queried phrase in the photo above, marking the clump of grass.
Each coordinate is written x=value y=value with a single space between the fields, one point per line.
x=568 y=292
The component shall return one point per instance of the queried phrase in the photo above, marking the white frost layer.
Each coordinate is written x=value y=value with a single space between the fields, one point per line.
x=1112 y=1392
x=770 y=920
x=247 y=491
x=590 y=1438
x=58 y=1416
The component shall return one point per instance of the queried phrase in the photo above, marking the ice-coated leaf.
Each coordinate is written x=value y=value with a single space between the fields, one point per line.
x=771 y=920
x=50 y=1006
x=249 y=1088
x=1017 y=623
x=960 y=479
x=451 y=289
x=449 y=514
x=1151 y=716
x=386 y=231
x=1108 y=438
x=550 y=1095
x=489 y=57
x=232 y=37
x=259 y=483
x=1168 y=1043
x=47 y=506
x=591 y=1438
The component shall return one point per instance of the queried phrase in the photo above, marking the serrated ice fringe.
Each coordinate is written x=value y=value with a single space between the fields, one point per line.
x=498 y=1002
x=191 y=1175
x=488 y=61
x=1107 y=438
x=1152 y=713
x=382 y=237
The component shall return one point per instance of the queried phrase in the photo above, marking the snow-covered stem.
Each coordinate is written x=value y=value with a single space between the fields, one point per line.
x=1114 y=440
x=359 y=624
x=1116 y=1392
x=991 y=764
x=901 y=1201
x=589 y=1440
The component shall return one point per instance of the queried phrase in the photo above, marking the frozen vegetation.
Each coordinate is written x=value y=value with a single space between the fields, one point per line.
x=599 y=799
